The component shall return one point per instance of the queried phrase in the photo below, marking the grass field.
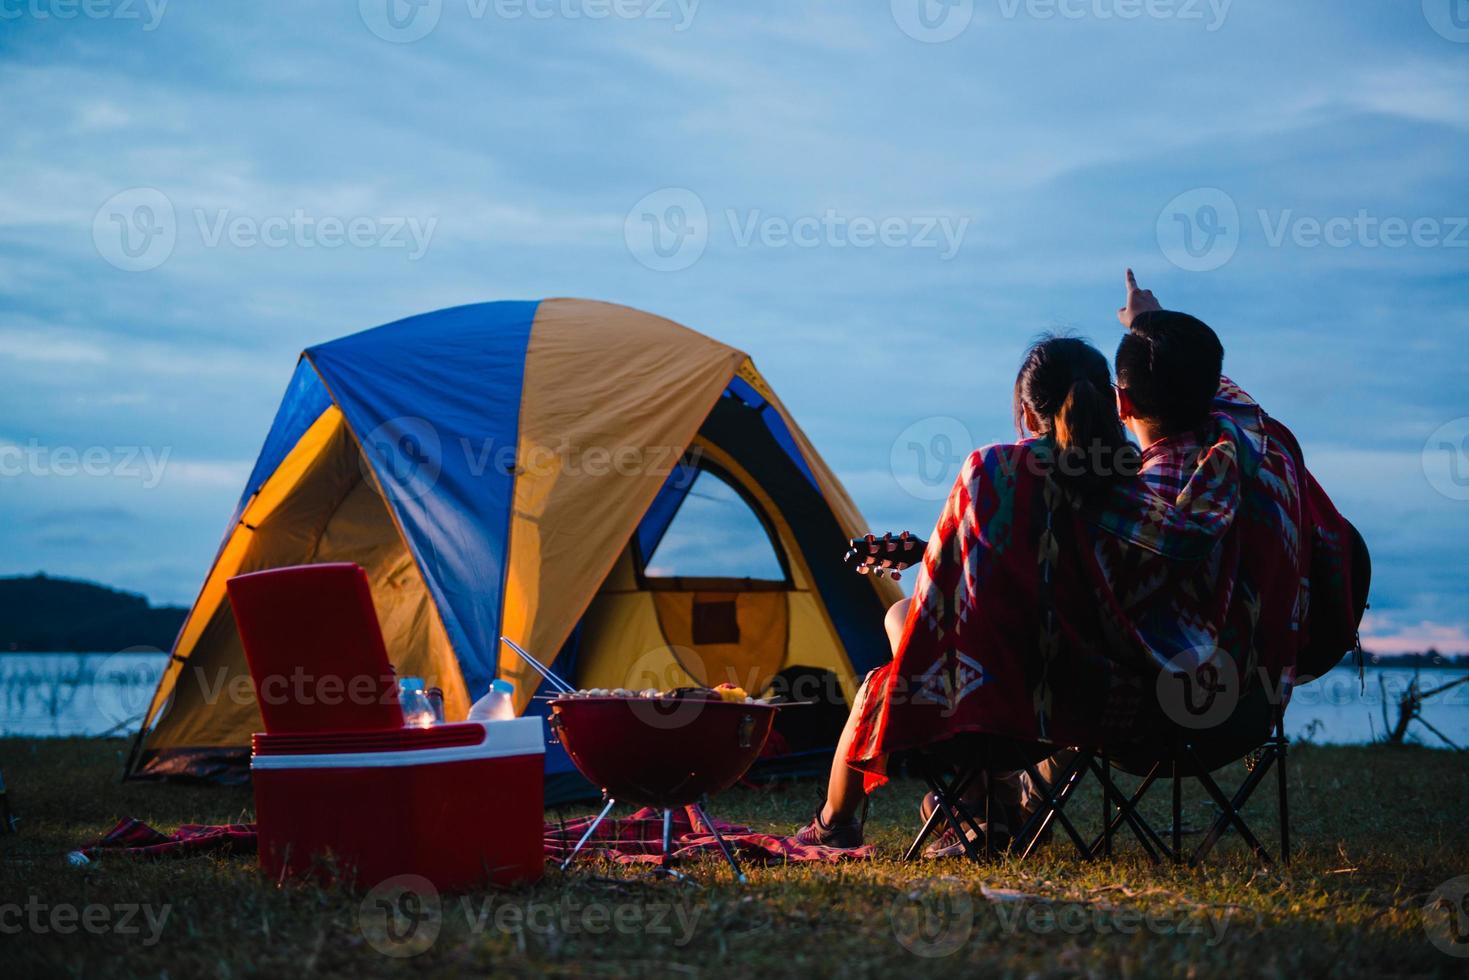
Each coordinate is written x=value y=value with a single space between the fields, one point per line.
x=1378 y=830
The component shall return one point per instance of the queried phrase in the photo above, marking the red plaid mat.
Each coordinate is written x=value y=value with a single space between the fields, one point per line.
x=137 y=839
x=638 y=839
x=633 y=839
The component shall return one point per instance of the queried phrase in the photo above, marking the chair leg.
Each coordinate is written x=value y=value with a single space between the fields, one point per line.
x=1177 y=811
x=1106 y=779
x=956 y=792
x=1281 y=746
x=949 y=804
x=1230 y=809
x=989 y=816
x=1127 y=812
x=936 y=787
x=1129 y=805
x=971 y=850
x=1055 y=795
x=928 y=828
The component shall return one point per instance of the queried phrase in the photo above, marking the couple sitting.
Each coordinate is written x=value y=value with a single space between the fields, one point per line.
x=1070 y=569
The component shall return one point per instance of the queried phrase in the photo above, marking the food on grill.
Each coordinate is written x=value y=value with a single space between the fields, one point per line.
x=729 y=692
x=724 y=692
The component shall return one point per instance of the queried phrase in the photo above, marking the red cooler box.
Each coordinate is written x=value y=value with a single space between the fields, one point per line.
x=461 y=805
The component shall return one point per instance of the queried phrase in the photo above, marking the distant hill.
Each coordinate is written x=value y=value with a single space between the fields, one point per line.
x=44 y=614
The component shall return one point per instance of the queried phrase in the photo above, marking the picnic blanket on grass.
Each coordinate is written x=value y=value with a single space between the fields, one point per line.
x=633 y=839
x=638 y=839
x=137 y=839
x=1042 y=615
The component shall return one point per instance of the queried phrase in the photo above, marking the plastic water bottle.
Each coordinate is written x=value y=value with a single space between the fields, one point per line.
x=418 y=711
x=498 y=704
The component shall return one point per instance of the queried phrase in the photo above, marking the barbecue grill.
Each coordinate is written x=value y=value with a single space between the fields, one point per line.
x=664 y=752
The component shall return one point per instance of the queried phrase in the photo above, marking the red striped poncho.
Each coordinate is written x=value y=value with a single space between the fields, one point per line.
x=1041 y=615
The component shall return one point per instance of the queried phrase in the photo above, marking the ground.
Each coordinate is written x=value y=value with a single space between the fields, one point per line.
x=1379 y=830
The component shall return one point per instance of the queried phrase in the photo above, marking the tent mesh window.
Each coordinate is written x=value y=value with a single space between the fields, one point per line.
x=716 y=622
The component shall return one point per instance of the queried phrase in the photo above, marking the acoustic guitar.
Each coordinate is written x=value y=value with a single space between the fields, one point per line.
x=887 y=555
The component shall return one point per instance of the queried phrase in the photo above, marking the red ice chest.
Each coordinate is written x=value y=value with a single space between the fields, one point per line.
x=459 y=804
x=337 y=776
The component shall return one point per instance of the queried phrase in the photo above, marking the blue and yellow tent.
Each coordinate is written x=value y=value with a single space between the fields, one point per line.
x=507 y=468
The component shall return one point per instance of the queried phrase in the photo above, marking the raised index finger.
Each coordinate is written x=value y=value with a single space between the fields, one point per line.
x=1131 y=281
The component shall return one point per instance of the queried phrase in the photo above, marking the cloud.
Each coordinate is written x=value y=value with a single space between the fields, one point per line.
x=1384 y=637
x=528 y=140
x=47 y=348
x=74 y=515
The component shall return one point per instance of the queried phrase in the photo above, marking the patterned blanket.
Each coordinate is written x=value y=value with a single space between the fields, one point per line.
x=638 y=839
x=1040 y=615
x=633 y=839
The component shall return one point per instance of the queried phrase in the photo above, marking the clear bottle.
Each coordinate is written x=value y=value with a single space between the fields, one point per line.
x=418 y=711
x=498 y=704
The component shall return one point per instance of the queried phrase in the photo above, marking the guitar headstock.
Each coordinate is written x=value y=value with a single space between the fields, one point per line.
x=887 y=555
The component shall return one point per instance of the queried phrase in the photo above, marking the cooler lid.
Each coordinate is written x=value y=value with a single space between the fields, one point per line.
x=399 y=746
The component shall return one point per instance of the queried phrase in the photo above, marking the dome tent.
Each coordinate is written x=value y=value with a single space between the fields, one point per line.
x=509 y=468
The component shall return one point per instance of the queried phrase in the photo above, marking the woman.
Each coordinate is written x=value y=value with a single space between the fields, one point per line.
x=1067 y=416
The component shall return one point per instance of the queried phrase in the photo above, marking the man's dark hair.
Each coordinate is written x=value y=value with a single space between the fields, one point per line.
x=1169 y=364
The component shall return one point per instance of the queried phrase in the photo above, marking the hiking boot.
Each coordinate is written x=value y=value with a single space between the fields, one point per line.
x=844 y=835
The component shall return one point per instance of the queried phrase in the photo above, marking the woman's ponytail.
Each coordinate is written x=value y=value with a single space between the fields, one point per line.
x=1092 y=449
x=1077 y=421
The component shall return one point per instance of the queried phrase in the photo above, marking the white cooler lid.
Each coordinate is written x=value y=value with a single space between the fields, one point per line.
x=502 y=739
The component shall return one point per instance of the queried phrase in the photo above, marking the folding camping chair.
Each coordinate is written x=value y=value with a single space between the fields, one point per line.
x=951 y=770
x=1254 y=733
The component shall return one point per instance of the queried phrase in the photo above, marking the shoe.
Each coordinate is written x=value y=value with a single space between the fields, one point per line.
x=842 y=835
x=947 y=843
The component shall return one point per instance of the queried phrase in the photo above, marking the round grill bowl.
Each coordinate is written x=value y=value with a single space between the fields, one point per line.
x=661 y=752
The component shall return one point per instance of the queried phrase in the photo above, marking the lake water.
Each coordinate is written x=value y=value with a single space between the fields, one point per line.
x=54 y=694
x=51 y=694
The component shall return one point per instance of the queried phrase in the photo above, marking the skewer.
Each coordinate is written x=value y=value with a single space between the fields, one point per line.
x=539 y=667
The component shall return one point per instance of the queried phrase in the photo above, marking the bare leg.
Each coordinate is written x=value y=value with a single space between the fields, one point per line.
x=896 y=618
x=844 y=793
